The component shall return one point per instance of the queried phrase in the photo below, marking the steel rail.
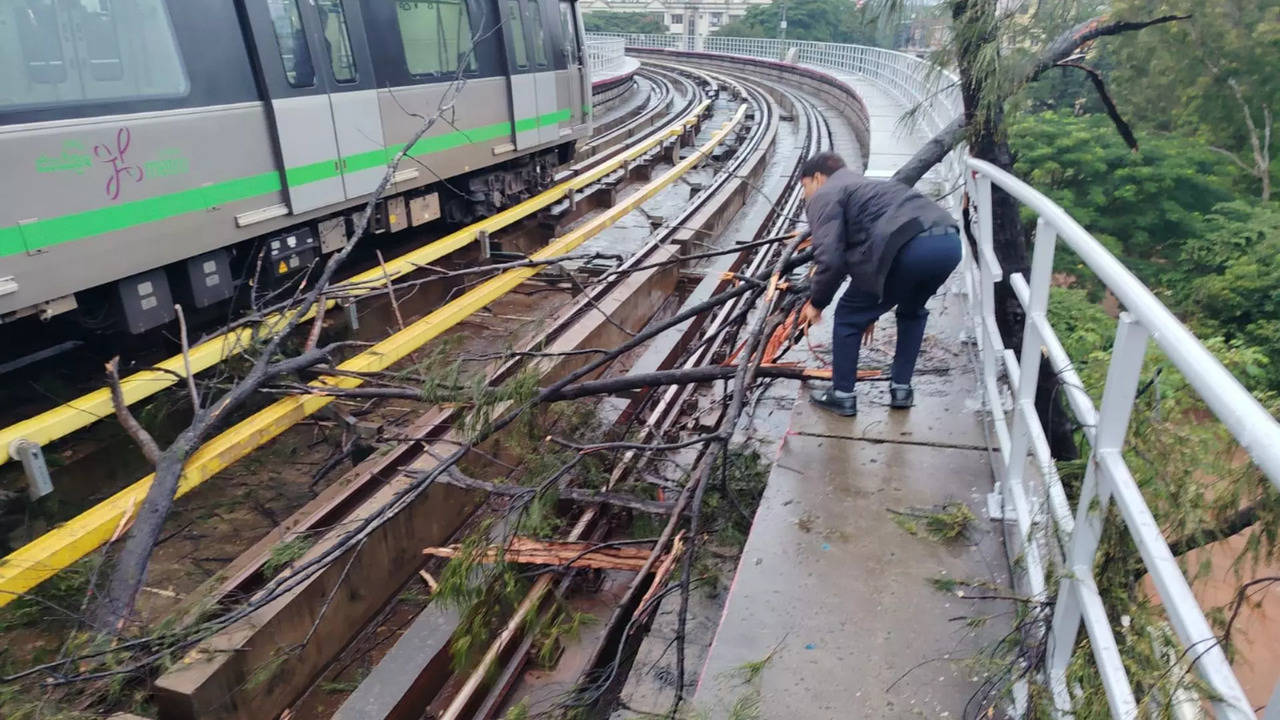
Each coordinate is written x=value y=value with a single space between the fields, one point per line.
x=582 y=313
x=461 y=701
x=614 y=130
x=45 y=556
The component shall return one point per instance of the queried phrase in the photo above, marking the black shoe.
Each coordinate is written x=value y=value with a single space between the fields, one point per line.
x=826 y=399
x=901 y=397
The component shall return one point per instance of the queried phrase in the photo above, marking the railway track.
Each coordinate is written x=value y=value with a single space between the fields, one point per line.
x=608 y=151
x=393 y=690
x=597 y=179
x=385 y=494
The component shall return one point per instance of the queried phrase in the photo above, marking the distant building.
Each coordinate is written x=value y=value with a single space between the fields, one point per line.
x=699 y=17
x=923 y=34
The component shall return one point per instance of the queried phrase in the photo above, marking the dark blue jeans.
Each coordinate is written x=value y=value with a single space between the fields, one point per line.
x=919 y=269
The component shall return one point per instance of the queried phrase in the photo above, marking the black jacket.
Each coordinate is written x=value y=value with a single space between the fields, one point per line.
x=858 y=226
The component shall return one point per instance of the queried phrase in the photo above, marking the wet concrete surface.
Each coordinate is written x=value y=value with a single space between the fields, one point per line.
x=836 y=595
x=892 y=142
x=831 y=588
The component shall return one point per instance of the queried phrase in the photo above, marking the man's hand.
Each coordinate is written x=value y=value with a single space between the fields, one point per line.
x=869 y=334
x=810 y=314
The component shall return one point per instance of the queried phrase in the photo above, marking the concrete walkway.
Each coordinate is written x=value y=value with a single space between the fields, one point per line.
x=892 y=142
x=854 y=613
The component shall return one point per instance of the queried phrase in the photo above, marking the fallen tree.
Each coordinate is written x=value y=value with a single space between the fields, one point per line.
x=978 y=49
x=1058 y=52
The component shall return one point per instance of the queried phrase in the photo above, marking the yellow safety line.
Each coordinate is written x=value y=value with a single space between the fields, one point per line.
x=30 y=564
x=87 y=409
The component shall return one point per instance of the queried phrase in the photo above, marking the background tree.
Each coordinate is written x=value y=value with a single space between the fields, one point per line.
x=1143 y=205
x=624 y=22
x=1212 y=78
x=604 y=21
x=1174 y=214
x=837 y=21
x=996 y=55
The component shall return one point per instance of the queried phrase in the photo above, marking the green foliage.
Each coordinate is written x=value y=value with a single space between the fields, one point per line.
x=944 y=584
x=821 y=20
x=519 y=711
x=57 y=600
x=746 y=707
x=731 y=500
x=1082 y=325
x=1174 y=77
x=945 y=523
x=18 y=703
x=1170 y=214
x=1063 y=88
x=1231 y=280
x=751 y=670
x=624 y=22
x=285 y=554
x=1143 y=206
x=561 y=623
x=337 y=687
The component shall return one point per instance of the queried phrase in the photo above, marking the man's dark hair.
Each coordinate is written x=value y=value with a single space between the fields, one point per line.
x=826 y=163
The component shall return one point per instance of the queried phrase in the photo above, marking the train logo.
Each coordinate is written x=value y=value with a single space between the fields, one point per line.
x=119 y=164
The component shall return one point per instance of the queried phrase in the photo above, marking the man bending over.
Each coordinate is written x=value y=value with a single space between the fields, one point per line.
x=895 y=245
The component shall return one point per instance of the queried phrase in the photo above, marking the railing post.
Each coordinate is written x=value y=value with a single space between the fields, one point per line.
x=989 y=274
x=1029 y=365
x=1118 y=396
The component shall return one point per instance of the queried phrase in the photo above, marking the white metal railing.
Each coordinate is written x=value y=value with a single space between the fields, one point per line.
x=914 y=83
x=1054 y=533
x=1041 y=510
x=606 y=55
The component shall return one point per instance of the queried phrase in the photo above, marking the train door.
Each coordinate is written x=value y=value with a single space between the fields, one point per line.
x=535 y=103
x=318 y=75
x=571 y=43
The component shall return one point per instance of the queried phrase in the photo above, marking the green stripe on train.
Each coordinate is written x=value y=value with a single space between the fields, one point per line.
x=533 y=123
x=40 y=234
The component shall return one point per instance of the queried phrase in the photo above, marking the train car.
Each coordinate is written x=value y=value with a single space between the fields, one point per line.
x=162 y=151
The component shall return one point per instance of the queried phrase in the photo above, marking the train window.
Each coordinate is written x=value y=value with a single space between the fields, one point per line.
x=101 y=41
x=63 y=52
x=36 y=26
x=515 y=28
x=292 y=39
x=539 y=35
x=436 y=35
x=337 y=39
x=571 y=48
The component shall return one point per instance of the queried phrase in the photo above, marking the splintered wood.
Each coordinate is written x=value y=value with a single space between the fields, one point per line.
x=660 y=577
x=527 y=551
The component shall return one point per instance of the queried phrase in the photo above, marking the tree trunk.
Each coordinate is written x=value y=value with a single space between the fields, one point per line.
x=116 y=603
x=976 y=23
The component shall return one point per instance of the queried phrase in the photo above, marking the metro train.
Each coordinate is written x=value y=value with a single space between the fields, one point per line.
x=174 y=151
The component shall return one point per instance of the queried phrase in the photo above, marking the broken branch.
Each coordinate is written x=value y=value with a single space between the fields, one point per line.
x=527 y=551
x=1113 y=112
x=127 y=420
x=1058 y=51
x=652 y=507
